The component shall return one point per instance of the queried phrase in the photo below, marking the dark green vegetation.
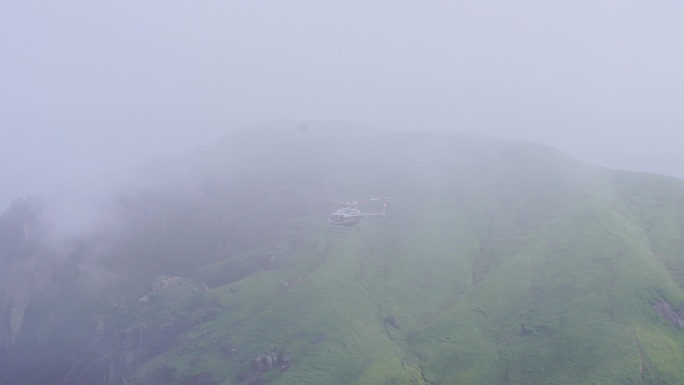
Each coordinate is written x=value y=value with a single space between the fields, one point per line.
x=499 y=263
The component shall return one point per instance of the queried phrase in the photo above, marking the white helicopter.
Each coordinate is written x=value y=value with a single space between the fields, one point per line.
x=350 y=216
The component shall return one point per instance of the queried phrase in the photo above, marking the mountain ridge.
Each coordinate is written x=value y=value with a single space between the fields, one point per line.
x=498 y=262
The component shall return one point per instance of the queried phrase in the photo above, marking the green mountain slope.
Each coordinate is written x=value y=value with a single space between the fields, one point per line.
x=498 y=263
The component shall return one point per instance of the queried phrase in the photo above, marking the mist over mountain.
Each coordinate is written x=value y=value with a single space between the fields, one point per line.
x=497 y=262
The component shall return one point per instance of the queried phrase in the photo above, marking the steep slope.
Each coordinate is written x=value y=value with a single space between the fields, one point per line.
x=498 y=263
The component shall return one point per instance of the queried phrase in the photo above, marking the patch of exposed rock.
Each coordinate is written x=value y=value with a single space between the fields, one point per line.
x=267 y=361
x=392 y=320
x=164 y=283
x=676 y=318
x=264 y=362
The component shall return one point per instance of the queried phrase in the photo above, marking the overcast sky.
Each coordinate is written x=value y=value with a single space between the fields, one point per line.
x=91 y=87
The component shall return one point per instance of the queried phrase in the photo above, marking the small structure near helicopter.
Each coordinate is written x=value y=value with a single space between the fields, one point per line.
x=350 y=216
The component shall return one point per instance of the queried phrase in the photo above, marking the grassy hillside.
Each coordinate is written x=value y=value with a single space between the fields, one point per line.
x=498 y=263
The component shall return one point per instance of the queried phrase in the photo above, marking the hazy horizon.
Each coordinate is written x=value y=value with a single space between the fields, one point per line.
x=91 y=89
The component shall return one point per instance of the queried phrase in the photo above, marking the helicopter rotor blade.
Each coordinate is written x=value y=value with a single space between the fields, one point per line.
x=359 y=202
x=341 y=202
x=379 y=198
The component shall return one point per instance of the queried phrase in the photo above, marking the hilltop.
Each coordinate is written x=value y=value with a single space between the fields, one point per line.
x=499 y=262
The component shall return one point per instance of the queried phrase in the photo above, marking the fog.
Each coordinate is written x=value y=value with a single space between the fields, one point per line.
x=88 y=89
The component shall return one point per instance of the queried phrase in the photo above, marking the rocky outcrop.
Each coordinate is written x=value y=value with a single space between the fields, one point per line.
x=22 y=272
x=267 y=361
x=16 y=315
x=264 y=362
x=664 y=308
x=164 y=283
x=393 y=321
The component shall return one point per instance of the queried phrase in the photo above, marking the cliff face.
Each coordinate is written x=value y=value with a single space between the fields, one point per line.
x=37 y=275
x=24 y=272
x=69 y=313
